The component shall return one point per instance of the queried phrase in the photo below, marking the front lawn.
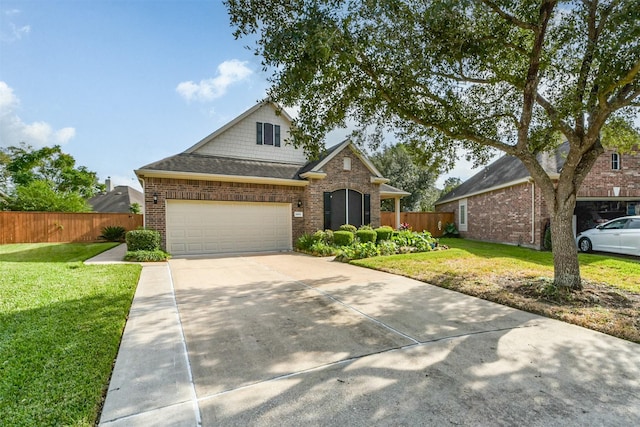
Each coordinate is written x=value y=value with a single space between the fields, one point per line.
x=521 y=278
x=61 y=324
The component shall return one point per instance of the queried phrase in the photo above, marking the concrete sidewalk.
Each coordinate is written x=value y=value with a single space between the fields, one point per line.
x=151 y=381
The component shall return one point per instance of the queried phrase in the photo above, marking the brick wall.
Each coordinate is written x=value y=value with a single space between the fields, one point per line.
x=181 y=189
x=504 y=216
x=602 y=179
x=358 y=178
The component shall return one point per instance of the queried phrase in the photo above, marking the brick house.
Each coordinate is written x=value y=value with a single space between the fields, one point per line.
x=502 y=204
x=243 y=189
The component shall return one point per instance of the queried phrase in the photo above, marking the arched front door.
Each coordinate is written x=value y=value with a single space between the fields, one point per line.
x=346 y=206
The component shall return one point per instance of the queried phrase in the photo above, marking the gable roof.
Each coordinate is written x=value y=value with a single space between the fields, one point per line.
x=505 y=172
x=237 y=120
x=117 y=200
x=315 y=167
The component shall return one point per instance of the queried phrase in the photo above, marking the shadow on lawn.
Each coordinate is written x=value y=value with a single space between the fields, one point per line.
x=55 y=252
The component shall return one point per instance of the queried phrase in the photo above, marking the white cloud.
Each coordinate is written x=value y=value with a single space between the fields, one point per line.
x=13 y=32
x=13 y=130
x=229 y=72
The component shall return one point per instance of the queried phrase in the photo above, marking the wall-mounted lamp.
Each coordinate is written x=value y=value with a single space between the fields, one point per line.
x=299 y=203
x=155 y=198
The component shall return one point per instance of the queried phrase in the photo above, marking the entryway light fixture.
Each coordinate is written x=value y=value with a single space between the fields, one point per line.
x=155 y=198
x=299 y=203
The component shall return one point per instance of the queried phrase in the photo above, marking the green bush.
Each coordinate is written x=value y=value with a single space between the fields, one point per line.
x=143 y=240
x=325 y=236
x=147 y=256
x=113 y=233
x=547 y=238
x=387 y=247
x=384 y=233
x=450 y=230
x=420 y=242
x=366 y=235
x=304 y=242
x=342 y=238
x=320 y=248
x=357 y=251
x=348 y=227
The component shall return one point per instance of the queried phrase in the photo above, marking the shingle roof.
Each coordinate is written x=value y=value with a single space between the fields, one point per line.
x=117 y=200
x=503 y=171
x=198 y=163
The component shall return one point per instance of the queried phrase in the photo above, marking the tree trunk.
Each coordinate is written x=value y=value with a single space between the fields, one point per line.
x=565 y=252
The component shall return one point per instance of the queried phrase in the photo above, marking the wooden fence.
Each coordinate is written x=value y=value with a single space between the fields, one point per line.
x=432 y=222
x=50 y=227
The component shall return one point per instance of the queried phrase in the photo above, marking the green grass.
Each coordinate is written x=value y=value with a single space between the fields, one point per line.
x=61 y=322
x=480 y=261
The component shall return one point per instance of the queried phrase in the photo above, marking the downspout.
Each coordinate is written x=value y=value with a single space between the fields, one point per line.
x=533 y=212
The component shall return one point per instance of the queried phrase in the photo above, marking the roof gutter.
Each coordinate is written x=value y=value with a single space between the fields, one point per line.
x=149 y=173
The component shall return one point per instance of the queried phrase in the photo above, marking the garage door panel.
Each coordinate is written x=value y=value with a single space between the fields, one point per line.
x=199 y=227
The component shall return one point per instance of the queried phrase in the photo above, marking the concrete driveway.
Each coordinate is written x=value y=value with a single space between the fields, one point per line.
x=288 y=339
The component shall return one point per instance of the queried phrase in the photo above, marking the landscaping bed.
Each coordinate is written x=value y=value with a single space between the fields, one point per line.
x=61 y=324
x=522 y=278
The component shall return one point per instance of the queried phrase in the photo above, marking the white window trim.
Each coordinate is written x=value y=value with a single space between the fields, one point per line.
x=463 y=215
x=615 y=162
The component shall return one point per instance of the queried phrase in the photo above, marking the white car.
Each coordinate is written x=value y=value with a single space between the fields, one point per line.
x=621 y=235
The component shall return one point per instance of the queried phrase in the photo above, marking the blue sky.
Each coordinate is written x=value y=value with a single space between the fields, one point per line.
x=120 y=84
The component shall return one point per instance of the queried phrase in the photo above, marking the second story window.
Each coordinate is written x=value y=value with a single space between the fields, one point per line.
x=267 y=134
x=615 y=161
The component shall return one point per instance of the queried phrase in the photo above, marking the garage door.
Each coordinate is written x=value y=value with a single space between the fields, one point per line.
x=198 y=227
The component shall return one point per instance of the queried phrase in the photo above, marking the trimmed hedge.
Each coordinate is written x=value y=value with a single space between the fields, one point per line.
x=342 y=238
x=349 y=227
x=384 y=233
x=143 y=240
x=365 y=235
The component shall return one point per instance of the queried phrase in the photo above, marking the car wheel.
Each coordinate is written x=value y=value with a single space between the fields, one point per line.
x=585 y=245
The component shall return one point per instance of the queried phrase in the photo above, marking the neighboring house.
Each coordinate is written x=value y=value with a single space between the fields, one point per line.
x=118 y=199
x=243 y=189
x=502 y=204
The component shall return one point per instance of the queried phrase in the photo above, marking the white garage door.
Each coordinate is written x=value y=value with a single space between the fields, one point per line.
x=199 y=227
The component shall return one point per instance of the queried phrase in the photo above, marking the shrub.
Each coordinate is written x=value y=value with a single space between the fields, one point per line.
x=143 y=240
x=357 y=251
x=320 y=248
x=421 y=242
x=113 y=233
x=325 y=236
x=304 y=242
x=547 y=238
x=366 y=235
x=387 y=247
x=348 y=227
x=147 y=256
x=342 y=238
x=384 y=233
x=450 y=230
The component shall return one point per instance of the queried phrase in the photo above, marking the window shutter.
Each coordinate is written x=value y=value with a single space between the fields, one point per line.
x=277 y=135
x=258 y=133
x=367 y=210
x=327 y=210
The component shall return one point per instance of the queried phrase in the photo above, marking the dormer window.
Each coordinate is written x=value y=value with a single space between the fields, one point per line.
x=267 y=134
x=615 y=161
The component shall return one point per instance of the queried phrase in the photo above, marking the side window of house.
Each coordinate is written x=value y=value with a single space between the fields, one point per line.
x=462 y=211
x=615 y=161
x=267 y=134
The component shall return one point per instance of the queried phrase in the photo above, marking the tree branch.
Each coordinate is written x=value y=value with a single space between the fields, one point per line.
x=508 y=17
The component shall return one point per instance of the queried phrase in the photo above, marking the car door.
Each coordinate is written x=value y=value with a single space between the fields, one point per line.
x=608 y=236
x=630 y=237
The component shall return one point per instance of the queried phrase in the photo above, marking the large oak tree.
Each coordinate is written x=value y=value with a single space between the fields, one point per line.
x=519 y=76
